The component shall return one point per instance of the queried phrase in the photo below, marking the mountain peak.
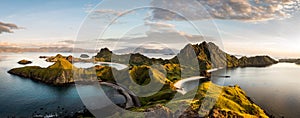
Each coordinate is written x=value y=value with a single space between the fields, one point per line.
x=62 y=64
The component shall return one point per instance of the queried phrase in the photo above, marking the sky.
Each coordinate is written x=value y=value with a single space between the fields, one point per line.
x=242 y=27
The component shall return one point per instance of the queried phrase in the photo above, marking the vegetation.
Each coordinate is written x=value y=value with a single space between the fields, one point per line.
x=57 y=76
x=206 y=55
x=210 y=101
x=193 y=60
x=60 y=73
x=229 y=99
x=62 y=64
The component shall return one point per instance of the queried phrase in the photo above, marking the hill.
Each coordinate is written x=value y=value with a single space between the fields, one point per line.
x=60 y=73
x=207 y=55
x=166 y=51
x=62 y=63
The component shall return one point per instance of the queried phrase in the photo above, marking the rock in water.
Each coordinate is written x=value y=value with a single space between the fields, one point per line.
x=24 y=62
x=84 y=56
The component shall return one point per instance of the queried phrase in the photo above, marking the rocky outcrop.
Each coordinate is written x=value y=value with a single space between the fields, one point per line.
x=60 y=73
x=24 y=62
x=84 y=56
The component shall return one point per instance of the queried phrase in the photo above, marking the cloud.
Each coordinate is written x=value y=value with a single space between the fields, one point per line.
x=7 y=44
x=246 y=10
x=7 y=27
x=159 y=24
x=170 y=39
x=104 y=13
x=108 y=11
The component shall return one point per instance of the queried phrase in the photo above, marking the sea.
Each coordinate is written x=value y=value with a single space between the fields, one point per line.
x=275 y=88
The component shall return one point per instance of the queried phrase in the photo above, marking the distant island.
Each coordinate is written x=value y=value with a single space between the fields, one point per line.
x=232 y=101
x=206 y=53
x=44 y=49
x=296 y=61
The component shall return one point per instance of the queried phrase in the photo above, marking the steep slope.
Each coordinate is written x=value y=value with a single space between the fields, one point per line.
x=61 y=63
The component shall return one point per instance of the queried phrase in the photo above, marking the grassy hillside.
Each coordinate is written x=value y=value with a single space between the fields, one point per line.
x=61 y=63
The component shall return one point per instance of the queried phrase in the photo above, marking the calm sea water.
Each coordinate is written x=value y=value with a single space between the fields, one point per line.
x=275 y=88
x=23 y=97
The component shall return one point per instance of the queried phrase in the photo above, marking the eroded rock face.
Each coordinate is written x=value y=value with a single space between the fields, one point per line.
x=24 y=62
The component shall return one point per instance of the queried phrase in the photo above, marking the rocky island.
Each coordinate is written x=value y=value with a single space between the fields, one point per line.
x=230 y=102
x=24 y=62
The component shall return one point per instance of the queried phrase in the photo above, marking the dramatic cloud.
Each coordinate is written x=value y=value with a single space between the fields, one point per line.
x=7 y=27
x=246 y=10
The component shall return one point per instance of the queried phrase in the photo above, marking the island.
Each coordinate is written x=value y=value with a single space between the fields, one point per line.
x=24 y=62
x=231 y=101
x=84 y=56
x=296 y=61
x=60 y=73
